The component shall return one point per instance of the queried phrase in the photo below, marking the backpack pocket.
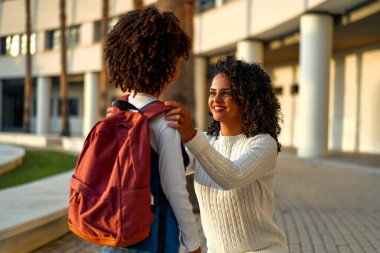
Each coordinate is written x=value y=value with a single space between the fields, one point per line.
x=136 y=220
x=94 y=215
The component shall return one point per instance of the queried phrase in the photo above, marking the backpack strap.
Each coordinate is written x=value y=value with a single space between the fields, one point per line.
x=149 y=111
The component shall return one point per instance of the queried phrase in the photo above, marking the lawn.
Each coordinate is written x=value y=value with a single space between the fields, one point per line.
x=38 y=164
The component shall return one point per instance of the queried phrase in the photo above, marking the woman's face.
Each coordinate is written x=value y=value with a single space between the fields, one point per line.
x=223 y=108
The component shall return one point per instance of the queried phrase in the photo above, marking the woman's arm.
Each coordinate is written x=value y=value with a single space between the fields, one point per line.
x=256 y=161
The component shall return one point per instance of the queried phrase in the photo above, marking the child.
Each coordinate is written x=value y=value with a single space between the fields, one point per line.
x=143 y=53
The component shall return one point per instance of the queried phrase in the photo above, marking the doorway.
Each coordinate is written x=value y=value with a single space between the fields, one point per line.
x=12 y=105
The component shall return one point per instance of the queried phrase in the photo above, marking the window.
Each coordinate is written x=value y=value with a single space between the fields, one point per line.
x=294 y=89
x=3 y=46
x=278 y=90
x=73 y=107
x=53 y=38
x=98 y=27
x=15 y=45
x=73 y=34
x=205 y=5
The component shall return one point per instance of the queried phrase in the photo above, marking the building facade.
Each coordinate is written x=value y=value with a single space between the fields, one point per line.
x=84 y=60
x=323 y=57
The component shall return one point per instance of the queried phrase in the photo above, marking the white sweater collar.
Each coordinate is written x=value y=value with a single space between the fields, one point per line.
x=231 y=139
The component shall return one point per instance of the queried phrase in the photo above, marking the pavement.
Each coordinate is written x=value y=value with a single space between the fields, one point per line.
x=323 y=205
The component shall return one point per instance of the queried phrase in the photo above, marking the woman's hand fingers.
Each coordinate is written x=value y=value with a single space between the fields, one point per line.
x=180 y=109
x=175 y=117
x=174 y=111
x=173 y=103
x=182 y=117
x=109 y=111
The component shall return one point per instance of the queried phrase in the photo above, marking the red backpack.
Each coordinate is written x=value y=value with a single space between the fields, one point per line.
x=110 y=196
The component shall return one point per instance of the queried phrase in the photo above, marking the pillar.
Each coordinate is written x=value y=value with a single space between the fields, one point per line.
x=218 y=3
x=250 y=51
x=315 y=54
x=43 y=105
x=201 y=90
x=91 y=99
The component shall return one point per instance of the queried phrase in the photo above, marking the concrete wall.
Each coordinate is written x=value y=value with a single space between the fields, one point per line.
x=262 y=19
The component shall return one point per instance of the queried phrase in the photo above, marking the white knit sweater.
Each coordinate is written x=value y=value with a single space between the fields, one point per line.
x=233 y=184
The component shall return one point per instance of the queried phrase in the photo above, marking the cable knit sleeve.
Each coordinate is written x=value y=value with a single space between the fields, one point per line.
x=255 y=160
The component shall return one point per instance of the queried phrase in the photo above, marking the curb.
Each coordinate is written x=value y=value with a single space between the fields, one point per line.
x=10 y=157
x=33 y=214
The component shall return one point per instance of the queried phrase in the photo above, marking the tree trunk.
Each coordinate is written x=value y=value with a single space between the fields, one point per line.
x=65 y=127
x=183 y=89
x=138 y=4
x=28 y=72
x=103 y=73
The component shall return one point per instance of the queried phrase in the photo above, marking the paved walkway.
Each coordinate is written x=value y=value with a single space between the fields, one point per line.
x=319 y=205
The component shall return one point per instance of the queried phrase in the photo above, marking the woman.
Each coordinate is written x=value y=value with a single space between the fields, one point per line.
x=235 y=160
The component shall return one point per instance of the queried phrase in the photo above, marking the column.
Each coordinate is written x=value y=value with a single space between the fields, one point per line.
x=43 y=105
x=91 y=98
x=218 y=3
x=315 y=54
x=201 y=92
x=250 y=51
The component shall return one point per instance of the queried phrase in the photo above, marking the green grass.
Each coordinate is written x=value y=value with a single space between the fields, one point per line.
x=38 y=164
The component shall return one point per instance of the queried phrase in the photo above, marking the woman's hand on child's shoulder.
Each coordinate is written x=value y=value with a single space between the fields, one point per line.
x=182 y=116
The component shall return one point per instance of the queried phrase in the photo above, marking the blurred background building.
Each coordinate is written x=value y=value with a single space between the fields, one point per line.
x=323 y=57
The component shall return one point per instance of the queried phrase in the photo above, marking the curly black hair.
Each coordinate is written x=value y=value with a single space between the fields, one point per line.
x=252 y=90
x=143 y=48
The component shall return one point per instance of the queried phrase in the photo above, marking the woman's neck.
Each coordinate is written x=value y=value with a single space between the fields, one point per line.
x=231 y=130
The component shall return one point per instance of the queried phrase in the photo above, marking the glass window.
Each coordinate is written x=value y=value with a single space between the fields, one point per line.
x=294 y=89
x=73 y=36
x=15 y=45
x=32 y=43
x=278 y=90
x=53 y=38
x=205 y=5
x=98 y=27
x=3 y=46
x=73 y=107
